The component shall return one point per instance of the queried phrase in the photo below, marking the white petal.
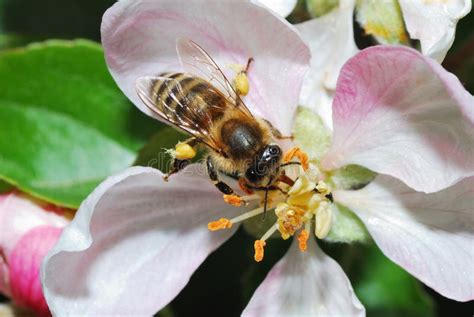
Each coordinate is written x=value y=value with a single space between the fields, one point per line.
x=282 y=7
x=134 y=243
x=429 y=235
x=399 y=113
x=331 y=41
x=433 y=22
x=139 y=39
x=305 y=284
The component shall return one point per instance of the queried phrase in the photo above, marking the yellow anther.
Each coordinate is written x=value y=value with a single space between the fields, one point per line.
x=302 y=185
x=323 y=220
x=296 y=152
x=234 y=200
x=184 y=151
x=323 y=188
x=241 y=84
x=300 y=200
x=258 y=246
x=303 y=240
x=220 y=224
x=314 y=202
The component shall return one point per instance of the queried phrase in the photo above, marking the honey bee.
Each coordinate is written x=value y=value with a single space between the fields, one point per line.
x=203 y=103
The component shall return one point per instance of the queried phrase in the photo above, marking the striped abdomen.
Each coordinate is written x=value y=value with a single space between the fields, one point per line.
x=188 y=101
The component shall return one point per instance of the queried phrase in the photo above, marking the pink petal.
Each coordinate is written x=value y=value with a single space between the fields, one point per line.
x=134 y=243
x=429 y=235
x=139 y=39
x=399 y=113
x=24 y=264
x=434 y=23
x=305 y=284
x=331 y=41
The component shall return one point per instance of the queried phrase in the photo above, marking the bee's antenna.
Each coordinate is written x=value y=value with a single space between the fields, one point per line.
x=265 y=201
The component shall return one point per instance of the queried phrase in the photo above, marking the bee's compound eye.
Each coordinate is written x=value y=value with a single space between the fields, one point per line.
x=252 y=175
x=274 y=150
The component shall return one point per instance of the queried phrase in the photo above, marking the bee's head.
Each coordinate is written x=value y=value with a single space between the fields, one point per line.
x=264 y=165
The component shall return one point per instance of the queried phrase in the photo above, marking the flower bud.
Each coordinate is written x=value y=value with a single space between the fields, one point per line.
x=28 y=230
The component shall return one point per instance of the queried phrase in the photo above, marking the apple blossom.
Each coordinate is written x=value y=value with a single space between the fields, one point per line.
x=136 y=240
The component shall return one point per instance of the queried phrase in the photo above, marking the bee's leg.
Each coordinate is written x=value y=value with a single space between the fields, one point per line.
x=229 y=194
x=182 y=155
x=249 y=61
x=277 y=132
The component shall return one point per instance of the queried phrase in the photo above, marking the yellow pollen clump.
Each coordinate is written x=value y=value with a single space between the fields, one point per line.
x=234 y=200
x=241 y=84
x=258 y=246
x=220 y=224
x=303 y=240
x=184 y=151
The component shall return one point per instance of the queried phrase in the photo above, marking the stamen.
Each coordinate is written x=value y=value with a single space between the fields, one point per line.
x=225 y=223
x=323 y=188
x=303 y=240
x=247 y=215
x=220 y=224
x=290 y=219
x=234 y=200
x=296 y=152
x=302 y=185
x=259 y=244
x=323 y=219
x=270 y=231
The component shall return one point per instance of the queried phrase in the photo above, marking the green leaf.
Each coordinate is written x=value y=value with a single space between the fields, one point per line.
x=387 y=290
x=5 y=187
x=72 y=127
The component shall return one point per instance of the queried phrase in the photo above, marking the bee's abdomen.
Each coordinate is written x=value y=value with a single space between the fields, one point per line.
x=183 y=97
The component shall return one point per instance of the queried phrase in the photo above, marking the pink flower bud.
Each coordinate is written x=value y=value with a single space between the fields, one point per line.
x=28 y=230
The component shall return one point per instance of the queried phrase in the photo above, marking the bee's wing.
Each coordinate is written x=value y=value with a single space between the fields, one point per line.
x=198 y=62
x=188 y=119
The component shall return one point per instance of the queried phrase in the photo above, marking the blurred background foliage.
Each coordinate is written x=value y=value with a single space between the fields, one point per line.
x=65 y=126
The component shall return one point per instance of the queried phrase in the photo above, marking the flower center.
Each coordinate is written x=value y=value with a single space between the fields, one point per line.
x=298 y=205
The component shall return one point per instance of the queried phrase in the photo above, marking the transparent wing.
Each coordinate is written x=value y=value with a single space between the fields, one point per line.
x=177 y=108
x=197 y=61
